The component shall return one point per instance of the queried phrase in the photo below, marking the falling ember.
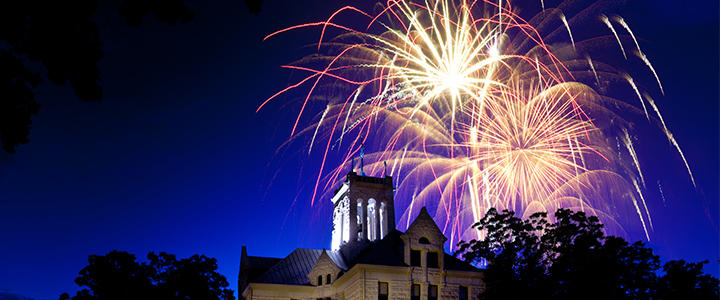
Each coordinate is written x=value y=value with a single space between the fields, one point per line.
x=317 y=127
x=642 y=198
x=631 y=149
x=647 y=63
x=562 y=17
x=592 y=67
x=657 y=111
x=670 y=137
x=473 y=109
x=637 y=92
x=627 y=28
x=605 y=20
x=642 y=220
x=662 y=195
x=687 y=166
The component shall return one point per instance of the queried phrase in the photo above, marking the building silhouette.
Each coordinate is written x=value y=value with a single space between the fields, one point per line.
x=368 y=259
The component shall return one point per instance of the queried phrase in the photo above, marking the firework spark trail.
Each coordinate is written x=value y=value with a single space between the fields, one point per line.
x=317 y=127
x=670 y=137
x=642 y=220
x=647 y=63
x=412 y=203
x=627 y=28
x=605 y=20
x=687 y=166
x=631 y=149
x=592 y=67
x=582 y=157
x=468 y=99
x=657 y=111
x=572 y=153
x=637 y=92
x=639 y=52
x=642 y=198
x=562 y=17
x=402 y=159
x=662 y=195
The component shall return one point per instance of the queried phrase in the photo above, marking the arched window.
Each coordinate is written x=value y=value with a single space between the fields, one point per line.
x=341 y=223
x=371 y=220
x=383 y=220
x=359 y=220
x=424 y=240
x=337 y=230
x=346 y=220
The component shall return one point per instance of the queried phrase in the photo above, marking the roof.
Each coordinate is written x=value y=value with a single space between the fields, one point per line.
x=425 y=221
x=387 y=252
x=261 y=262
x=455 y=264
x=293 y=269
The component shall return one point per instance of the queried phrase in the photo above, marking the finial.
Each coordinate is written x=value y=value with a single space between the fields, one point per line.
x=362 y=159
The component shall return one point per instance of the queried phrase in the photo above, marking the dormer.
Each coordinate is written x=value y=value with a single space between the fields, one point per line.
x=424 y=243
x=325 y=271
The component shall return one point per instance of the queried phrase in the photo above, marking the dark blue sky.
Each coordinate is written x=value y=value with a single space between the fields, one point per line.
x=175 y=158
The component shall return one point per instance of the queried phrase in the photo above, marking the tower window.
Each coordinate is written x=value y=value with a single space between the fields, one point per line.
x=360 y=222
x=463 y=293
x=432 y=292
x=415 y=292
x=432 y=260
x=383 y=291
x=424 y=240
x=415 y=258
x=327 y=279
x=319 y=279
x=383 y=220
x=371 y=220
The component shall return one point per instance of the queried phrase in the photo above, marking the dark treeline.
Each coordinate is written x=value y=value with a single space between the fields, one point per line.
x=117 y=275
x=572 y=258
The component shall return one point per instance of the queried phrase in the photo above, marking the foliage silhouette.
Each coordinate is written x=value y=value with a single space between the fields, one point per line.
x=59 y=40
x=117 y=275
x=572 y=258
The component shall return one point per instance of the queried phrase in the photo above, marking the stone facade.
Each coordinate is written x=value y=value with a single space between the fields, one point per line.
x=361 y=266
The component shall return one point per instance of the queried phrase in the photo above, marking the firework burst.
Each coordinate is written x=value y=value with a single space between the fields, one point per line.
x=471 y=106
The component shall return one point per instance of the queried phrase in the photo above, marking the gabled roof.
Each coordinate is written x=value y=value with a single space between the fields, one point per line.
x=337 y=258
x=424 y=220
x=293 y=269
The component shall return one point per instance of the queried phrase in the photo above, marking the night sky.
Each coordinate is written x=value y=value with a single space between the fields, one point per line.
x=175 y=158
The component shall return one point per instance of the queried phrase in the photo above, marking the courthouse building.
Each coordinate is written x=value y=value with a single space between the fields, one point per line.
x=368 y=258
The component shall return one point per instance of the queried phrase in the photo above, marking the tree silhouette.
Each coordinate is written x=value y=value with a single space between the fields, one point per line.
x=60 y=41
x=573 y=259
x=683 y=280
x=117 y=275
